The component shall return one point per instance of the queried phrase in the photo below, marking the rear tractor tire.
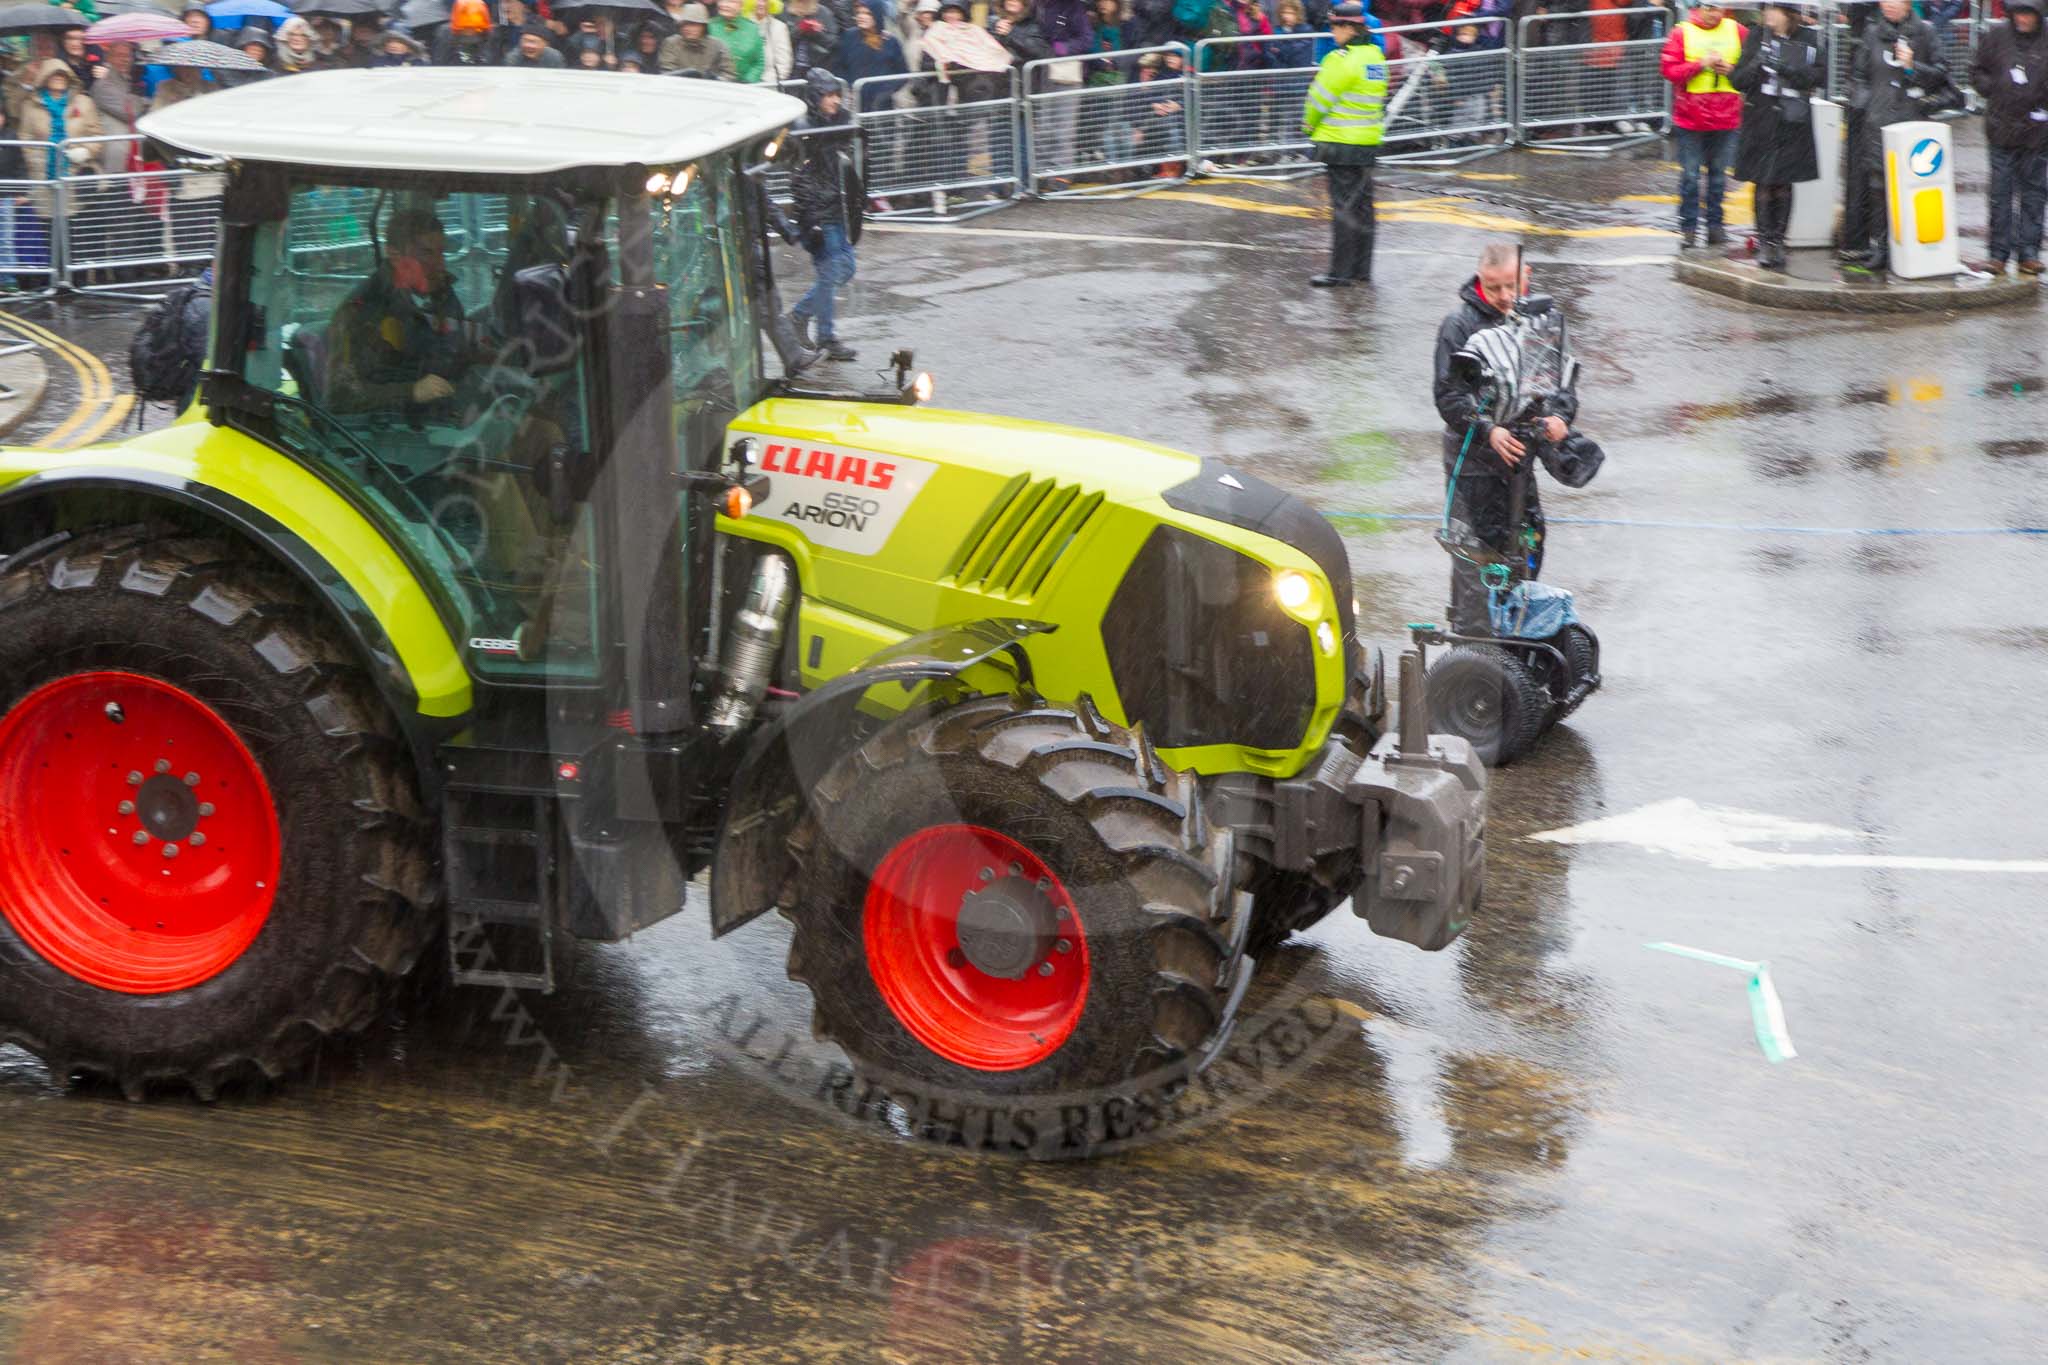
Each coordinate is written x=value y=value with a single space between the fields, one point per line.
x=1486 y=695
x=212 y=853
x=1019 y=908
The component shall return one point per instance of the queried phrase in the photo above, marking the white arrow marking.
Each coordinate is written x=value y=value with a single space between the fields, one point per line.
x=1716 y=837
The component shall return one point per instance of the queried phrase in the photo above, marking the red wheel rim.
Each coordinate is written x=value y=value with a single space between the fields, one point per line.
x=953 y=880
x=139 y=850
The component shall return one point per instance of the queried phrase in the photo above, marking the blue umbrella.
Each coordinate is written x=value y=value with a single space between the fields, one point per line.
x=249 y=9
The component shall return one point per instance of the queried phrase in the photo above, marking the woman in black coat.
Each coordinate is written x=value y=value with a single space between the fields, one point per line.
x=1779 y=70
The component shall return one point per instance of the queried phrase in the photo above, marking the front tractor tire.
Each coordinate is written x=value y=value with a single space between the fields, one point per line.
x=1015 y=906
x=212 y=853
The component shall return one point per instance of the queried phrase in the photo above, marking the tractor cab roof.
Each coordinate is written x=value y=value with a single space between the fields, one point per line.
x=473 y=121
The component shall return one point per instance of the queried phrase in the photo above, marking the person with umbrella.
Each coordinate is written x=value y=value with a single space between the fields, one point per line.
x=365 y=41
x=41 y=23
x=646 y=53
x=59 y=111
x=83 y=61
x=117 y=93
x=183 y=83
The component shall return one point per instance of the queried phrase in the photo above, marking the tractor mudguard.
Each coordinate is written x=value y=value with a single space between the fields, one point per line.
x=788 y=755
x=28 y=511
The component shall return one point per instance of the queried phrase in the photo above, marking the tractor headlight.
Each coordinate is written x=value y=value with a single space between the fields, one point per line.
x=1326 y=637
x=921 y=387
x=1295 y=594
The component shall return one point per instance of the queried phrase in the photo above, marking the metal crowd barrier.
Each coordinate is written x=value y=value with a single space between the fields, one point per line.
x=1249 y=94
x=1566 y=80
x=29 y=251
x=1074 y=130
x=941 y=141
x=777 y=180
x=1452 y=101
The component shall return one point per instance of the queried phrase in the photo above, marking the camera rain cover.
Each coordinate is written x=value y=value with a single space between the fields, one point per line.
x=1523 y=362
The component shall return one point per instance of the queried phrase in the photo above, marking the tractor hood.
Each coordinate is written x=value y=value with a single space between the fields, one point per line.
x=998 y=506
x=1157 y=569
x=1006 y=447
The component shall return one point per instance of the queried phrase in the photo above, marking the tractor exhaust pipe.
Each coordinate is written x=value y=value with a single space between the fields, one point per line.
x=751 y=647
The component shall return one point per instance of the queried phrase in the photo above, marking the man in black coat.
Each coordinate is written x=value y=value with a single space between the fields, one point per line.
x=1484 y=462
x=1896 y=62
x=824 y=214
x=2011 y=73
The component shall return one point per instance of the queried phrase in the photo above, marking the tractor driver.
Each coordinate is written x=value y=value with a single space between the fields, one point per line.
x=400 y=340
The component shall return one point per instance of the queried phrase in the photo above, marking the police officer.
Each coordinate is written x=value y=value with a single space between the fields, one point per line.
x=1345 y=117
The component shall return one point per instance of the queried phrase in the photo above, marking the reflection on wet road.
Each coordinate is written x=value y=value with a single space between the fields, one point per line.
x=1545 y=1143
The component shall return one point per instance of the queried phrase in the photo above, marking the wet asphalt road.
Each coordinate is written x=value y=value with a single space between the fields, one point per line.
x=1546 y=1142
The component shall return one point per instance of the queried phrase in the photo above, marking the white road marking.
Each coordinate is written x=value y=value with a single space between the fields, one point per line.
x=1717 y=837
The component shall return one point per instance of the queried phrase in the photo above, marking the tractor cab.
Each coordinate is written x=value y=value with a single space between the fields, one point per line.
x=469 y=299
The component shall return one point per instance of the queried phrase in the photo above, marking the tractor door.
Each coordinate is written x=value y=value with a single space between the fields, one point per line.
x=702 y=240
x=425 y=353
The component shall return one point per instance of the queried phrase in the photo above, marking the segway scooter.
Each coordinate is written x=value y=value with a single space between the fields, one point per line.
x=1503 y=691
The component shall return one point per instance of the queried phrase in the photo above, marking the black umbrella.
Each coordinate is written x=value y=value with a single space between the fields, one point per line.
x=419 y=14
x=30 y=18
x=341 y=9
x=204 y=55
x=618 y=7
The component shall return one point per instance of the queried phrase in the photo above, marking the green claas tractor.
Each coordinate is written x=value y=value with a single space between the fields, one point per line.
x=491 y=592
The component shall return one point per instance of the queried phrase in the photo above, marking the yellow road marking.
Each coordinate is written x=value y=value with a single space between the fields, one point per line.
x=1449 y=211
x=108 y=420
x=98 y=404
x=1231 y=201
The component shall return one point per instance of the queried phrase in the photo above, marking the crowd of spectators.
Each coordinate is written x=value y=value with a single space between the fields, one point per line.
x=905 y=54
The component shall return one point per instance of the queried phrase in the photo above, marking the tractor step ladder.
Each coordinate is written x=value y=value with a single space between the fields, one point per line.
x=499 y=852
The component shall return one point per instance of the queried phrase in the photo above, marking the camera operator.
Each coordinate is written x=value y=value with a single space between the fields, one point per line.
x=1483 y=463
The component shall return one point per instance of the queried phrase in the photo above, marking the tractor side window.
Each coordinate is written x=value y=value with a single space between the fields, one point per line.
x=700 y=252
x=429 y=356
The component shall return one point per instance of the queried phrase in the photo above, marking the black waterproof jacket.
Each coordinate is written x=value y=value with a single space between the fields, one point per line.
x=2011 y=107
x=1459 y=400
x=1878 y=85
x=818 y=185
x=1775 y=146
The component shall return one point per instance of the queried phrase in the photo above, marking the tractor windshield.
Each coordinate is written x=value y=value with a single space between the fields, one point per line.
x=429 y=354
x=701 y=240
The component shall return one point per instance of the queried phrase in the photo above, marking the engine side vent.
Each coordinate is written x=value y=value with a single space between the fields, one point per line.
x=1024 y=537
